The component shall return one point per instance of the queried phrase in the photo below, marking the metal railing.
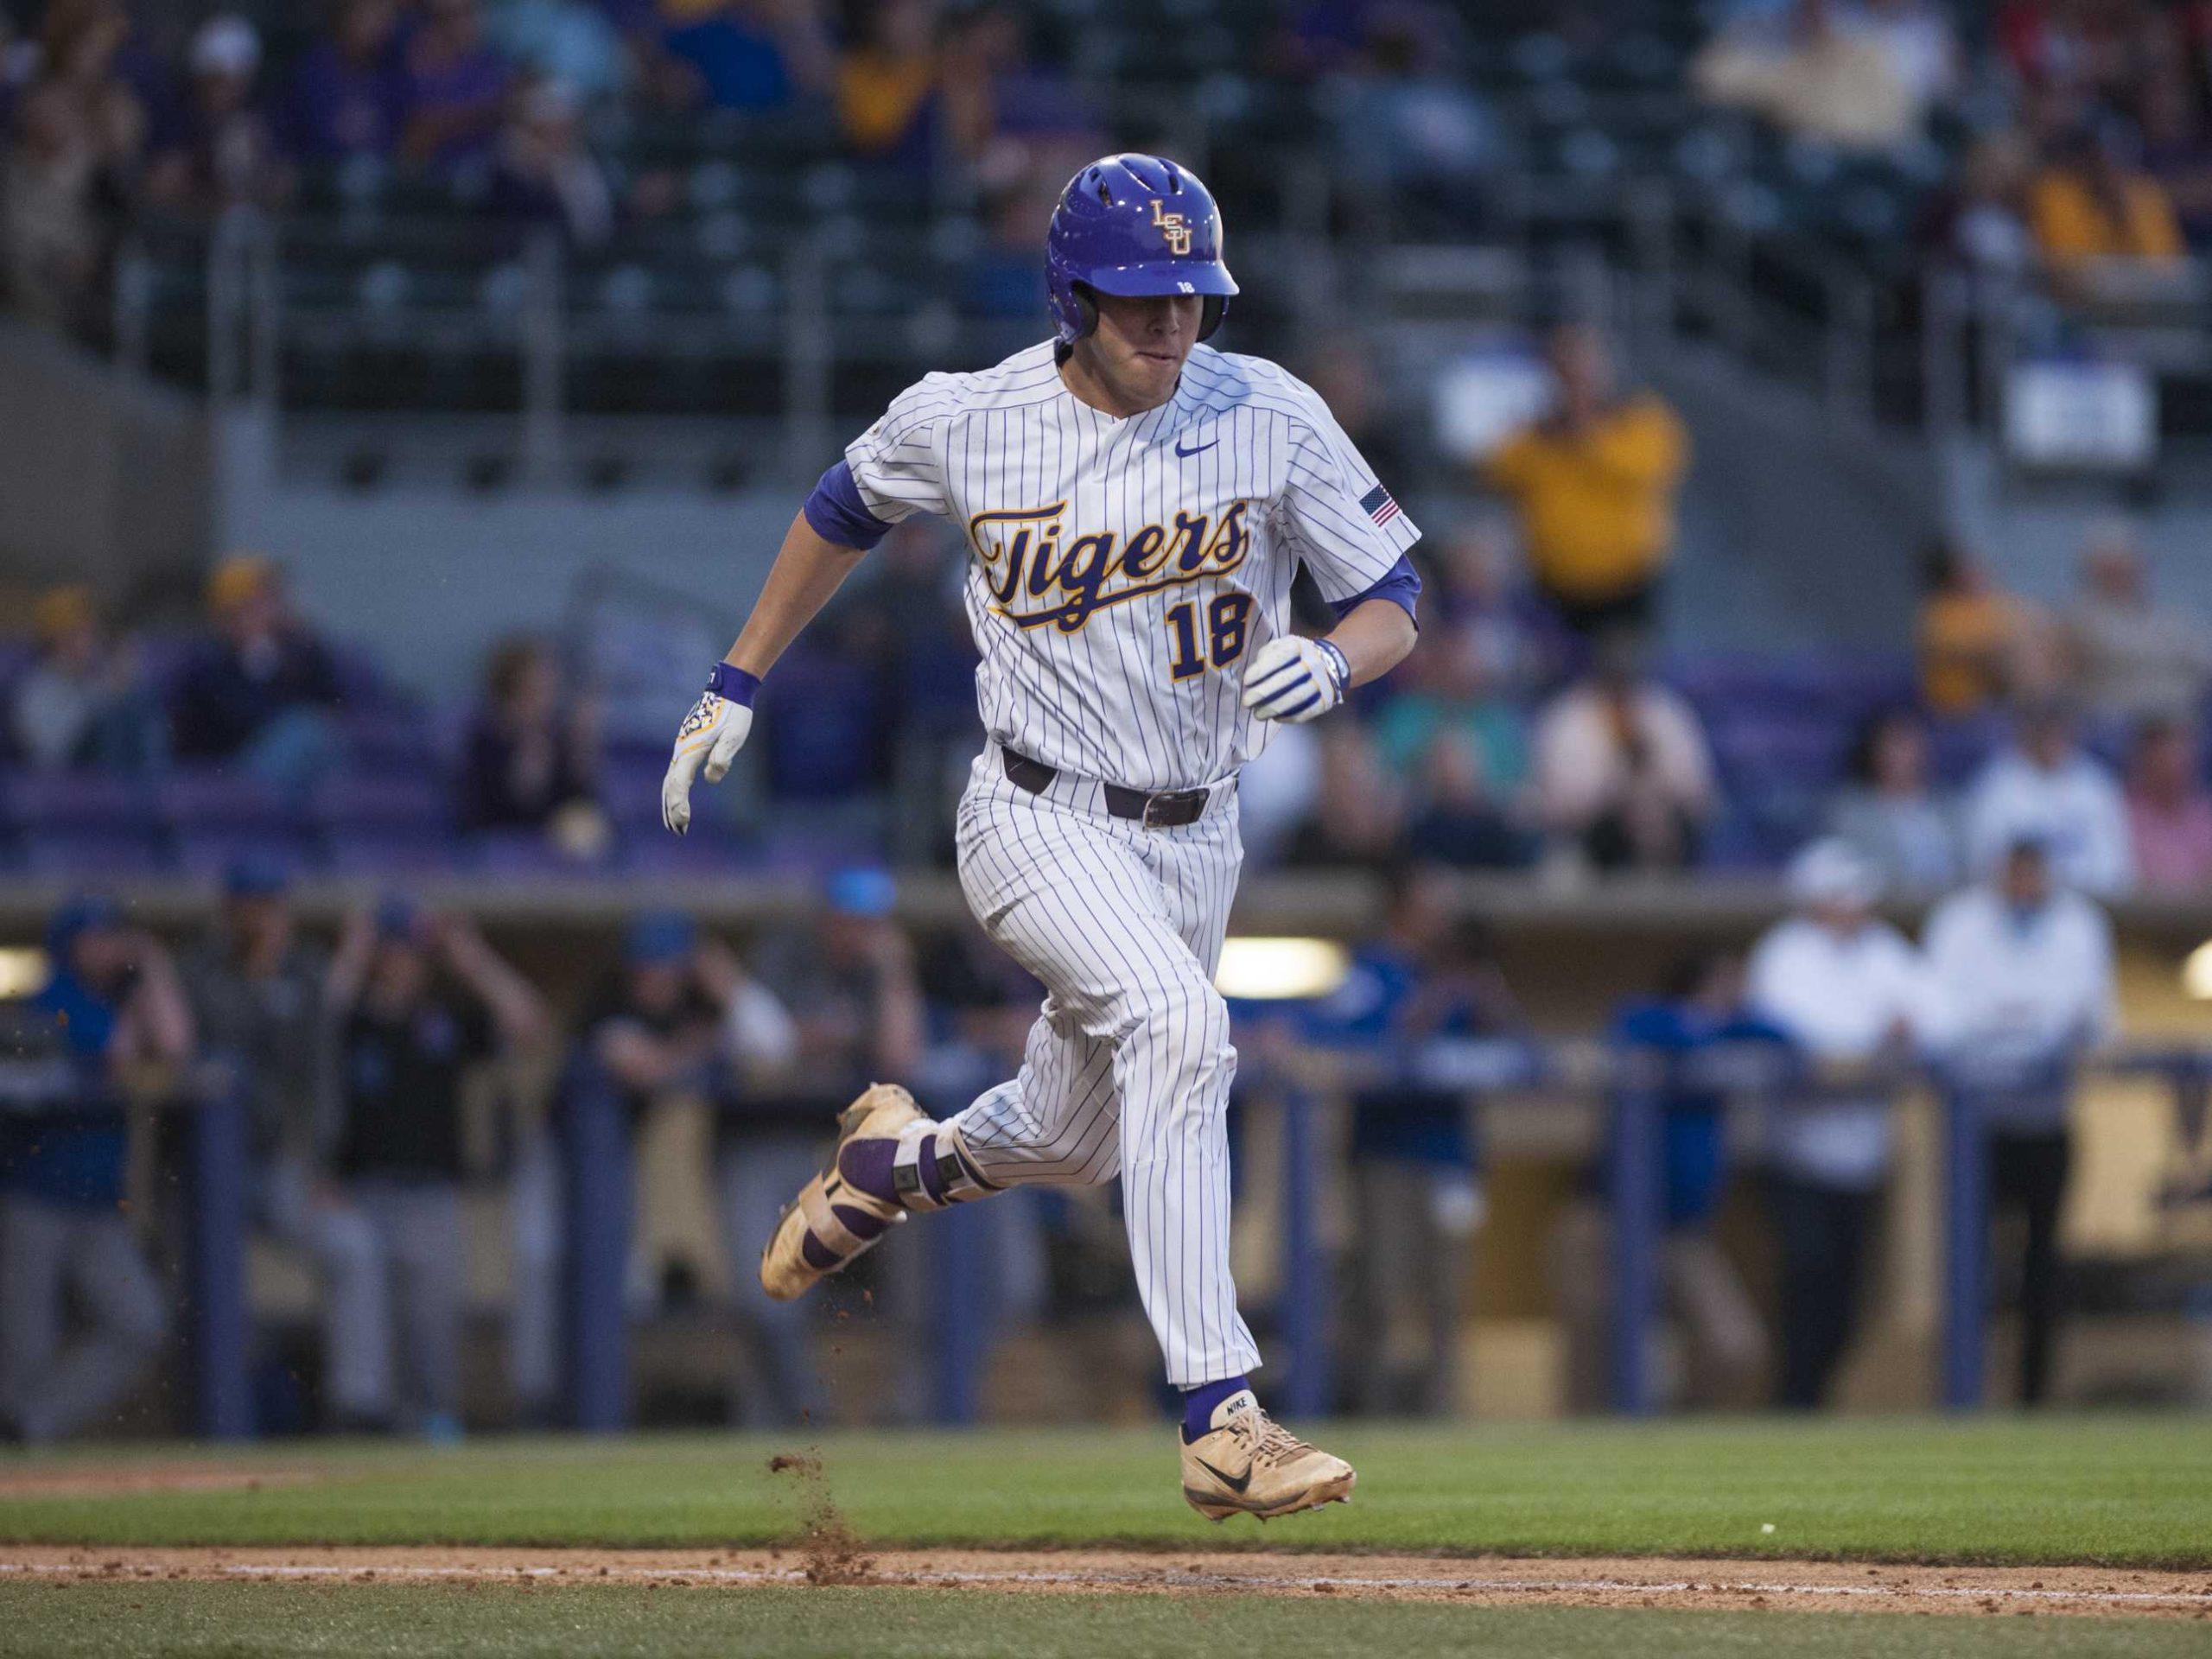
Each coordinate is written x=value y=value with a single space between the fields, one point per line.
x=1925 y=344
x=1633 y=1084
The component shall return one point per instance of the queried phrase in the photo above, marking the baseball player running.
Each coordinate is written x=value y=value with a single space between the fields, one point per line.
x=1135 y=504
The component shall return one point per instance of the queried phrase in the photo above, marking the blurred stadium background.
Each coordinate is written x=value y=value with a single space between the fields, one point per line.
x=1806 y=404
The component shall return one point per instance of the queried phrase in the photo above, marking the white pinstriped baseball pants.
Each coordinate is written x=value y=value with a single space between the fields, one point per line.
x=1128 y=1066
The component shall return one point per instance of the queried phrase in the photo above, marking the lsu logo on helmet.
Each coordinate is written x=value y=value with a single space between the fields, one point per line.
x=1173 y=227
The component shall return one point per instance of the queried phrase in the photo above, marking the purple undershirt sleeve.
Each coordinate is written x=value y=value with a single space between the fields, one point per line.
x=1401 y=586
x=837 y=514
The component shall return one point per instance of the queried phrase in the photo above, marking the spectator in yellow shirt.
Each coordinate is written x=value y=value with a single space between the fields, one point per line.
x=889 y=86
x=1978 y=644
x=2088 y=204
x=1593 y=486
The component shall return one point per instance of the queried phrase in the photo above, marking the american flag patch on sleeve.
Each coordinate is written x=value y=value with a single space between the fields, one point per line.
x=1379 y=504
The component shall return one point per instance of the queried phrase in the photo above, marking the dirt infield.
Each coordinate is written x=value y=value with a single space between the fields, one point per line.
x=1781 y=1586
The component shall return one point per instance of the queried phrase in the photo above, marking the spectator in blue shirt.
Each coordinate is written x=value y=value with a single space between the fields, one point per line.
x=80 y=706
x=113 y=1001
x=258 y=693
x=749 y=55
x=1701 y=1008
x=572 y=44
x=1415 y=1167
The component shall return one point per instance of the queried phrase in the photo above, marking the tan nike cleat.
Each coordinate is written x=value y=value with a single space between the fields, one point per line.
x=812 y=1240
x=1249 y=1464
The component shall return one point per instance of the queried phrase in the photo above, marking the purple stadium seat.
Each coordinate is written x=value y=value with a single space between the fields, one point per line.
x=637 y=748
x=526 y=852
x=397 y=801
x=82 y=823
x=390 y=739
x=655 y=852
x=392 y=849
x=808 y=849
x=393 y=824
x=208 y=853
x=629 y=787
x=212 y=798
x=1755 y=753
x=93 y=852
x=66 y=800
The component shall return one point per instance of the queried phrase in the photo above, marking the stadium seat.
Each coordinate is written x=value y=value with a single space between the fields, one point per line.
x=216 y=815
x=397 y=823
x=394 y=738
x=206 y=797
x=59 y=802
x=207 y=853
x=705 y=851
x=92 y=853
x=515 y=853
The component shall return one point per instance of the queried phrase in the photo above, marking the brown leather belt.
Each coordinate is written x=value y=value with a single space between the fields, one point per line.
x=1169 y=810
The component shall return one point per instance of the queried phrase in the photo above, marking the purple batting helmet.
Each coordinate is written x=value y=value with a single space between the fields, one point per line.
x=1137 y=226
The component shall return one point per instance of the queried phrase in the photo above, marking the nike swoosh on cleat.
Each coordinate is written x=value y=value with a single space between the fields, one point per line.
x=1194 y=448
x=1235 y=1484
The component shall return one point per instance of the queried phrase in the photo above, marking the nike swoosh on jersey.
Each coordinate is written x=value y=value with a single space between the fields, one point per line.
x=1236 y=1484
x=1195 y=448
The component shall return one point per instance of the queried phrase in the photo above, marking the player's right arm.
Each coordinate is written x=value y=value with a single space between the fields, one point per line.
x=809 y=569
x=890 y=472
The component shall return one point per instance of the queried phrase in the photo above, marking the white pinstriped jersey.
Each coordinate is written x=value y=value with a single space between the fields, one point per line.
x=1122 y=571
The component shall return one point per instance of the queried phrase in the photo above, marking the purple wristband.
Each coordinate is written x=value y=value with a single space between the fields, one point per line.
x=733 y=684
x=1339 y=670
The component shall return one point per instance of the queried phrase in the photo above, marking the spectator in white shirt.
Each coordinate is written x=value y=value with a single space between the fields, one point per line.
x=1846 y=989
x=1920 y=39
x=2044 y=786
x=2020 y=982
x=2135 y=659
x=1890 y=814
x=1621 y=767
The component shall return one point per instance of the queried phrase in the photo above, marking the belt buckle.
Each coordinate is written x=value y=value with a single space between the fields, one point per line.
x=1157 y=807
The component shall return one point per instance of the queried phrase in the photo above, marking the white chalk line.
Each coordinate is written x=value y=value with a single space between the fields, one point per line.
x=1162 y=1579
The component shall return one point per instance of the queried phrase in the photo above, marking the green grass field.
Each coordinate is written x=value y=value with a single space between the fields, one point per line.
x=240 y=1620
x=2120 y=1490
x=2125 y=1491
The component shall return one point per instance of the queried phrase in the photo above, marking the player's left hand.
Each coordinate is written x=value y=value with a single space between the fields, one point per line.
x=710 y=736
x=1295 y=679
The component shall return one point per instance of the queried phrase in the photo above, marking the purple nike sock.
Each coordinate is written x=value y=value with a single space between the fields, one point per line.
x=867 y=1165
x=1199 y=1403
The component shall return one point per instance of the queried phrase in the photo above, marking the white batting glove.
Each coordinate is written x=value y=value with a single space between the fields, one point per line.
x=709 y=738
x=1295 y=679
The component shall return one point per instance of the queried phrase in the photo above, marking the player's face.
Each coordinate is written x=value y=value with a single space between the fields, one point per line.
x=1140 y=345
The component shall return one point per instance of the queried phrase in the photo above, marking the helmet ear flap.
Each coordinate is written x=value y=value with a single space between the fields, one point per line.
x=1210 y=312
x=1086 y=307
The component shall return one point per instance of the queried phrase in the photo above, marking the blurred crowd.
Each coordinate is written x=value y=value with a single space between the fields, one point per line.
x=1535 y=727
x=2082 y=124
x=2073 y=133
x=394 y=1076
x=387 y=1073
x=112 y=111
